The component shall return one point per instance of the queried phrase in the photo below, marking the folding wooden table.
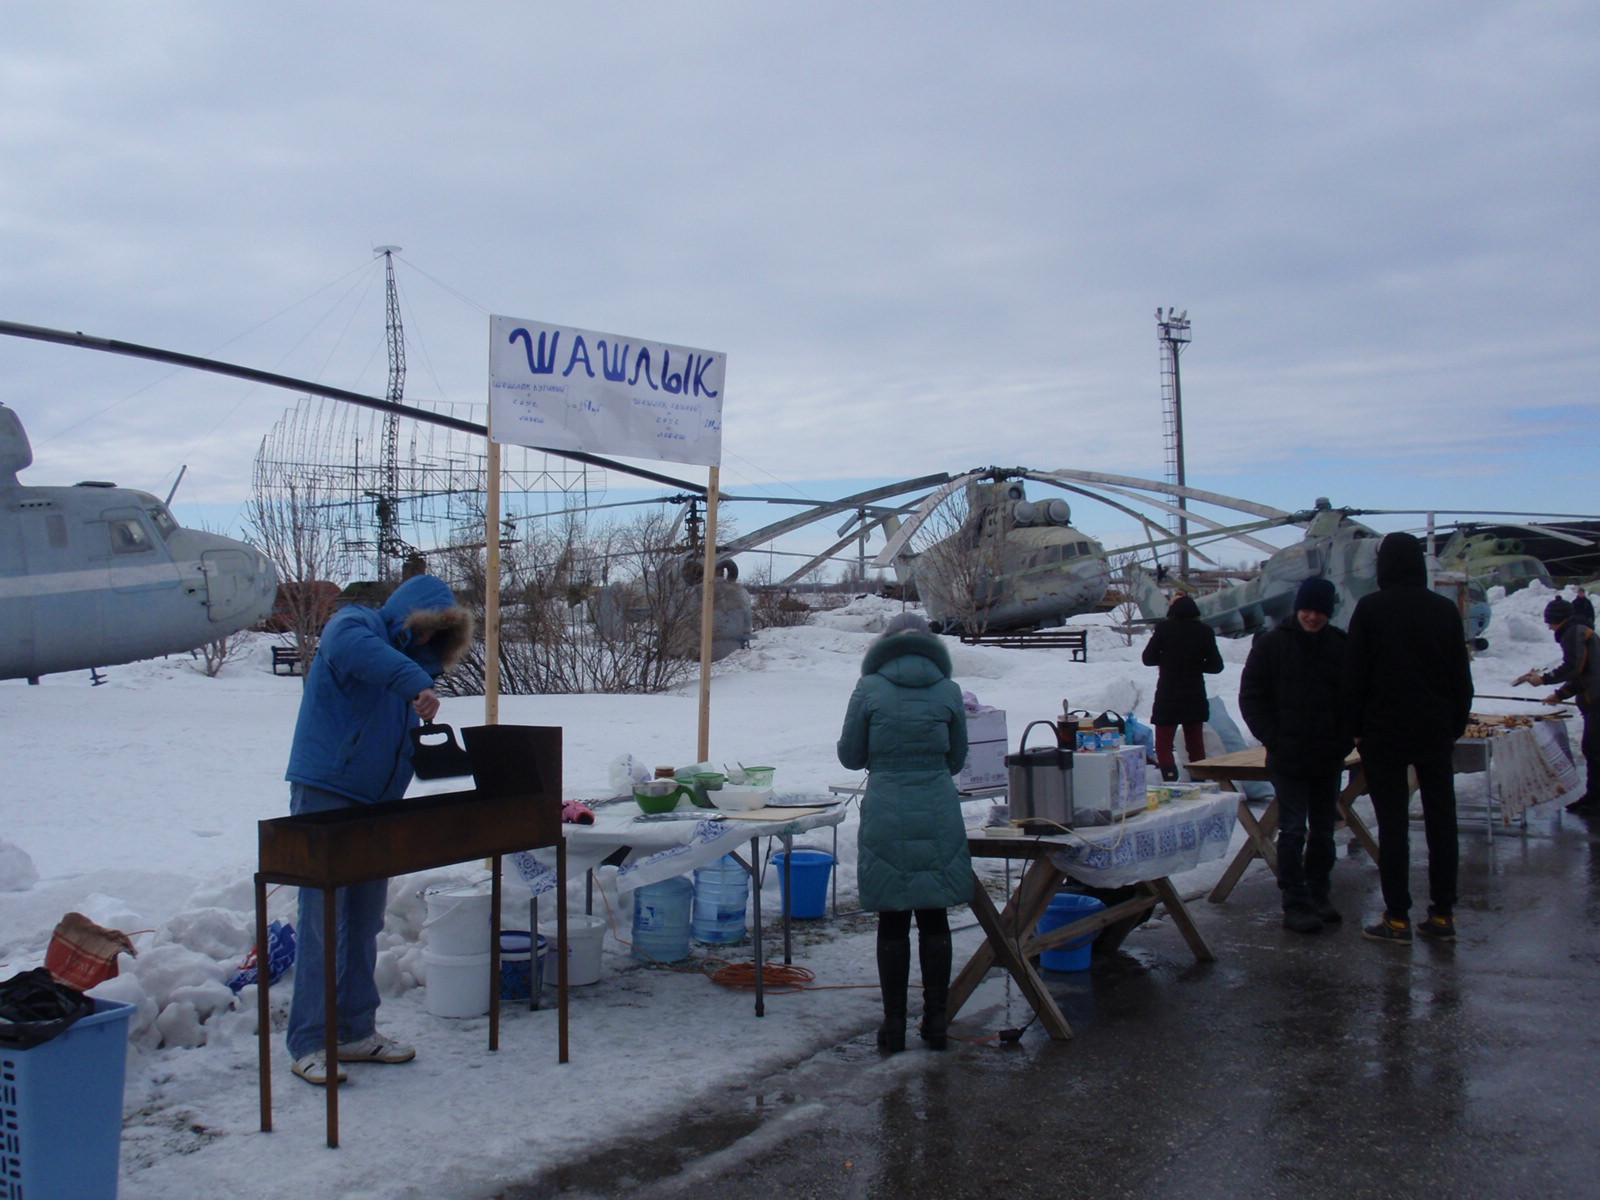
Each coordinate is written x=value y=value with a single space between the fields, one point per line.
x=1142 y=851
x=1250 y=766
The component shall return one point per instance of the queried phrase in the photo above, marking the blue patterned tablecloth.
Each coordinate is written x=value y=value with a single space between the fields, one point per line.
x=1152 y=845
x=659 y=849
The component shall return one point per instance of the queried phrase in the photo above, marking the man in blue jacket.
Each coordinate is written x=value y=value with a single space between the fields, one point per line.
x=370 y=682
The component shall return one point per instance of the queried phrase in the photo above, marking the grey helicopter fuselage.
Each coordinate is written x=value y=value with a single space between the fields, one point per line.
x=1013 y=564
x=95 y=575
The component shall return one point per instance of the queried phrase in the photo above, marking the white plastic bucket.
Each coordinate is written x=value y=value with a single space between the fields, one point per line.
x=458 y=920
x=587 y=936
x=457 y=985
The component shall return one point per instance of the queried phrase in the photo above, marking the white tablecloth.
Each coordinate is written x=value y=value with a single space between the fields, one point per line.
x=1152 y=845
x=659 y=849
x=1530 y=765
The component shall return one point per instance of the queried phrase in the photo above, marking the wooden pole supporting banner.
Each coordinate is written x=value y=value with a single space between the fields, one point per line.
x=708 y=593
x=491 y=589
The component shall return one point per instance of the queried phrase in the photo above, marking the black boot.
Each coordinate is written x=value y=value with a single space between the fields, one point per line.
x=894 y=969
x=934 y=952
x=1169 y=774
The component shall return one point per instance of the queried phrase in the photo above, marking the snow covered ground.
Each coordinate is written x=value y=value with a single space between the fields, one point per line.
x=136 y=803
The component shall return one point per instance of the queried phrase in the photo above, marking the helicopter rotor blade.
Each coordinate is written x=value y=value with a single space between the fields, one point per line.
x=827 y=509
x=216 y=367
x=897 y=543
x=1170 y=489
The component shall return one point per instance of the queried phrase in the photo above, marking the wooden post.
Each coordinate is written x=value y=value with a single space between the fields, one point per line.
x=491 y=588
x=708 y=592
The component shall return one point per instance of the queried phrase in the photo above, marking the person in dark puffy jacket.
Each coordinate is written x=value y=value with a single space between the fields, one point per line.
x=907 y=726
x=1289 y=697
x=1184 y=650
x=1406 y=694
x=371 y=680
x=1579 y=677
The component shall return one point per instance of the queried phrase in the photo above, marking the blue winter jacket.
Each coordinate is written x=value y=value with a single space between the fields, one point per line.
x=352 y=735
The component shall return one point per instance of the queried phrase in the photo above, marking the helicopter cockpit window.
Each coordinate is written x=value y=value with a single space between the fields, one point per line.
x=128 y=536
x=162 y=520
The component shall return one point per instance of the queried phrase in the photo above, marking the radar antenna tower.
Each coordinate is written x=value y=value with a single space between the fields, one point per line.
x=391 y=547
x=1172 y=329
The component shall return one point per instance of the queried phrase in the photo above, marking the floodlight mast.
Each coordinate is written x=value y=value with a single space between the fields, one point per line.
x=1172 y=329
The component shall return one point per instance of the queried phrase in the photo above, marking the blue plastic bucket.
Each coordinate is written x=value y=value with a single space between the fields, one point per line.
x=721 y=892
x=661 y=920
x=808 y=874
x=61 y=1109
x=1066 y=908
x=521 y=964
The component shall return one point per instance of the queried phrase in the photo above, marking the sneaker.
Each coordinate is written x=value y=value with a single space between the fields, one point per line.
x=1326 y=912
x=313 y=1068
x=1300 y=919
x=1390 y=930
x=1437 y=928
x=376 y=1048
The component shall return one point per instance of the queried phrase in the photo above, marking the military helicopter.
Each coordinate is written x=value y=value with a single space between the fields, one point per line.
x=95 y=575
x=1336 y=546
x=1492 y=561
x=999 y=562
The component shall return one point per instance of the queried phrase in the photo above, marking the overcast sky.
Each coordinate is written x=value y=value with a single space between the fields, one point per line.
x=928 y=236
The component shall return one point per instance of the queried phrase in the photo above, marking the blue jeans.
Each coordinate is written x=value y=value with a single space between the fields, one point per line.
x=360 y=910
x=1305 y=860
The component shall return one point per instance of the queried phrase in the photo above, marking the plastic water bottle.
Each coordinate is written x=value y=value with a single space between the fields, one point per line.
x=721 y=892
x=661 y=920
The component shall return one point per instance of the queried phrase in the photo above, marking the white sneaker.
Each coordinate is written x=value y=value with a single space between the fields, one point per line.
x=313 y=1068
x=376 y=1048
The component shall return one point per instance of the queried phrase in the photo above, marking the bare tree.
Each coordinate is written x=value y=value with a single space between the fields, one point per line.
x=213 y=656
x=959 y=570
x=293 y=520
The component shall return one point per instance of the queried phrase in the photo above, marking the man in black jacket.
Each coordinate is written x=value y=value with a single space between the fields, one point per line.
x=1289 y=696
x=1579 y=677
x=1406 y=695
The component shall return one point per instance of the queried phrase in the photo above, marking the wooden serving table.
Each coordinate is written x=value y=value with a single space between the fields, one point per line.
x=1250 y=766
x=516 y=806
x=1143 y=850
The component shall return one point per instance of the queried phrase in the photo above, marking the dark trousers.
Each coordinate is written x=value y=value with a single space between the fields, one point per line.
x=1391 y=800
x=1590 y=745
x=1194 y=741
x=1305 y=859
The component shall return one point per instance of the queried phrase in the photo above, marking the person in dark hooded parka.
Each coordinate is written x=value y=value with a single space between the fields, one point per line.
x=1184 y=649
x=1406 y=696
x=906 y=725
x=371 y=680
x=1289 y=696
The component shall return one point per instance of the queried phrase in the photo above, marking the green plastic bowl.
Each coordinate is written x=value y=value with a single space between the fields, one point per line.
x=658 y=804
x=759 y=776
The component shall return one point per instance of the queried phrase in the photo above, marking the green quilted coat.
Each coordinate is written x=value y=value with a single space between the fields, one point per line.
x=907 y=726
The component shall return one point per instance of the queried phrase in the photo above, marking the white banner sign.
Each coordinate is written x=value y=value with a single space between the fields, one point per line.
x=575 y=389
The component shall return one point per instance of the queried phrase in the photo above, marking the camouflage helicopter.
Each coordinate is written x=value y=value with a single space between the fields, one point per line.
x=1335 y=546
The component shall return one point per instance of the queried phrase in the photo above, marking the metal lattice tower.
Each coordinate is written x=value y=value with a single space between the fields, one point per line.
x=1172 y=328
x=390 y=546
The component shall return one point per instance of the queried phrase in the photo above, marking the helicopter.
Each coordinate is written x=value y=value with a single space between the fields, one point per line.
x=1004 y=563
x=1492 y=561
x=1336 y=547
x=95 y=575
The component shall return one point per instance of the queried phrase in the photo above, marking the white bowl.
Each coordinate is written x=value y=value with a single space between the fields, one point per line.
x=733 y=797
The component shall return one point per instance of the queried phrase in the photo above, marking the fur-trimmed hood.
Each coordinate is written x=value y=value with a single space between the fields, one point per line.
x=424 y=606
x=883 y=655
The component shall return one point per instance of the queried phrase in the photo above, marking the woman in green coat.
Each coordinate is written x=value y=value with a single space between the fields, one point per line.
x=906 y=725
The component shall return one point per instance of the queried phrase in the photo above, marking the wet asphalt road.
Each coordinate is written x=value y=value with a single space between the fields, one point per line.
x=1294 y=1066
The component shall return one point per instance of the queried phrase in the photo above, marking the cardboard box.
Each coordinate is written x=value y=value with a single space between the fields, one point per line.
x=986 y=766
x=987 y=726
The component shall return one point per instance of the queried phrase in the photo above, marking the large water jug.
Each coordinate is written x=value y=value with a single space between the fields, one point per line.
x=661 y=920
x=721 y=892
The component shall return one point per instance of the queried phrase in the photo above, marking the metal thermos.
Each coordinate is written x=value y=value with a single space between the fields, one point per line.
x=1040 y=780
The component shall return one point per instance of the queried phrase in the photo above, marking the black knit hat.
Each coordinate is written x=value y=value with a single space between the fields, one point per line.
x=1316 y=595
x=1557 y=612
